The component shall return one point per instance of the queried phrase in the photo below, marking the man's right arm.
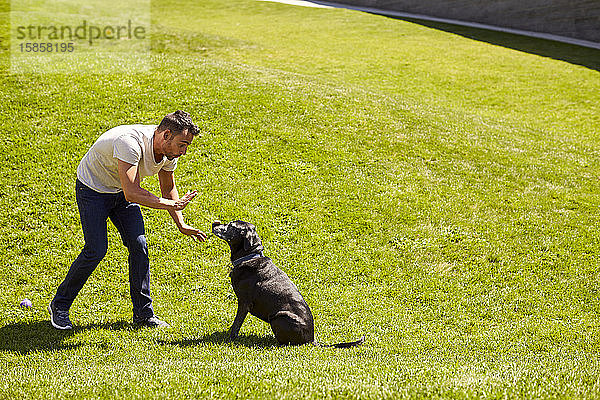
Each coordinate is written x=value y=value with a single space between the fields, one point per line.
x=134 y=193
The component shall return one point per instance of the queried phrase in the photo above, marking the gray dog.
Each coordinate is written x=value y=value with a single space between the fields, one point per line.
x=264 y=290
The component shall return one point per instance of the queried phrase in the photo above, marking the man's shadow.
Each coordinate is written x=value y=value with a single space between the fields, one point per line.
x=28 y=337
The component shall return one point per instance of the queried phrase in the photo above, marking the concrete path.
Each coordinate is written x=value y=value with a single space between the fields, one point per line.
x=389 y=13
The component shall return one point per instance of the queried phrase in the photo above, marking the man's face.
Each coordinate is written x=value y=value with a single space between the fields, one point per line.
x=176 y=144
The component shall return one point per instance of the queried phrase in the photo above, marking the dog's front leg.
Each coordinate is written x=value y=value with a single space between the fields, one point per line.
x=242 y=311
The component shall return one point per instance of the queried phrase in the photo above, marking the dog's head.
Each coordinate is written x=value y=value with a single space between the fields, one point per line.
x=240 y=236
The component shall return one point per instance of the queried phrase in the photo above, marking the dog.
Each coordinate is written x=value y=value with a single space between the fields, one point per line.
x=265 y=291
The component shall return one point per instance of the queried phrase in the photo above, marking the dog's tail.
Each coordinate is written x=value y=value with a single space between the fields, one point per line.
x=343 y=345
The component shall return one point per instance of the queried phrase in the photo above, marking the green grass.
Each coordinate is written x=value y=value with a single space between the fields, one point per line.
x=437 y=193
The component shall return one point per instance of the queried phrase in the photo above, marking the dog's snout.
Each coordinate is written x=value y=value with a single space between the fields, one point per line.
x=218 y=229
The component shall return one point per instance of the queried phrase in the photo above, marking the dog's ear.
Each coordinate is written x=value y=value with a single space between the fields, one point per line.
x=251 y=239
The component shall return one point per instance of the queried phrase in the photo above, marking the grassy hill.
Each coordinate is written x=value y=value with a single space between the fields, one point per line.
x=435 y=192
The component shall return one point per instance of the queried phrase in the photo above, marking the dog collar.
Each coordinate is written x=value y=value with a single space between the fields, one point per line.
x=246 y=258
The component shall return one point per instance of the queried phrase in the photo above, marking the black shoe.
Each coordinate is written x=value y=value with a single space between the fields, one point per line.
x=151 y=322
x=59 y=318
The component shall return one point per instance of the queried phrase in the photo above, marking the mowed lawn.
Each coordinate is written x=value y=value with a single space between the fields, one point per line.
x=437 y=193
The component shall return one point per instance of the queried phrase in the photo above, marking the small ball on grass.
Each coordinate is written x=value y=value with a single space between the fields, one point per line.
x=26 y=303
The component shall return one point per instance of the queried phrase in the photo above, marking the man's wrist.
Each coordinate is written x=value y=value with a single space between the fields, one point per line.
x=166 y=204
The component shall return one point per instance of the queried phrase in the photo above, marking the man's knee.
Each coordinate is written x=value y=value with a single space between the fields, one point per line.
x=138 y=244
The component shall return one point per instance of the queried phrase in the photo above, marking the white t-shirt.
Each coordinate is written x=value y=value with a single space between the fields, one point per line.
x=98 y=169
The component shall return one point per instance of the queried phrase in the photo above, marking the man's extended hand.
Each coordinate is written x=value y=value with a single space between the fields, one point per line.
x=184 y=201
x=194 y=233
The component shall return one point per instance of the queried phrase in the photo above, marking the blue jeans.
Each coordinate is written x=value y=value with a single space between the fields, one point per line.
x=94 y=209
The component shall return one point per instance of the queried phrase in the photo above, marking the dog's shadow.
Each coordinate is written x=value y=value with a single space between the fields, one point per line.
x=222 y=338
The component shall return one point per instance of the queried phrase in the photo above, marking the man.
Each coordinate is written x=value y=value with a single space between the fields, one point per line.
x=108 y=186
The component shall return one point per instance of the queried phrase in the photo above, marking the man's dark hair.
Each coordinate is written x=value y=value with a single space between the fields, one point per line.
x=178 y=122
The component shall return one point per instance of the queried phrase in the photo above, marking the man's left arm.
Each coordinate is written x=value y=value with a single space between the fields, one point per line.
x=169 y=191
